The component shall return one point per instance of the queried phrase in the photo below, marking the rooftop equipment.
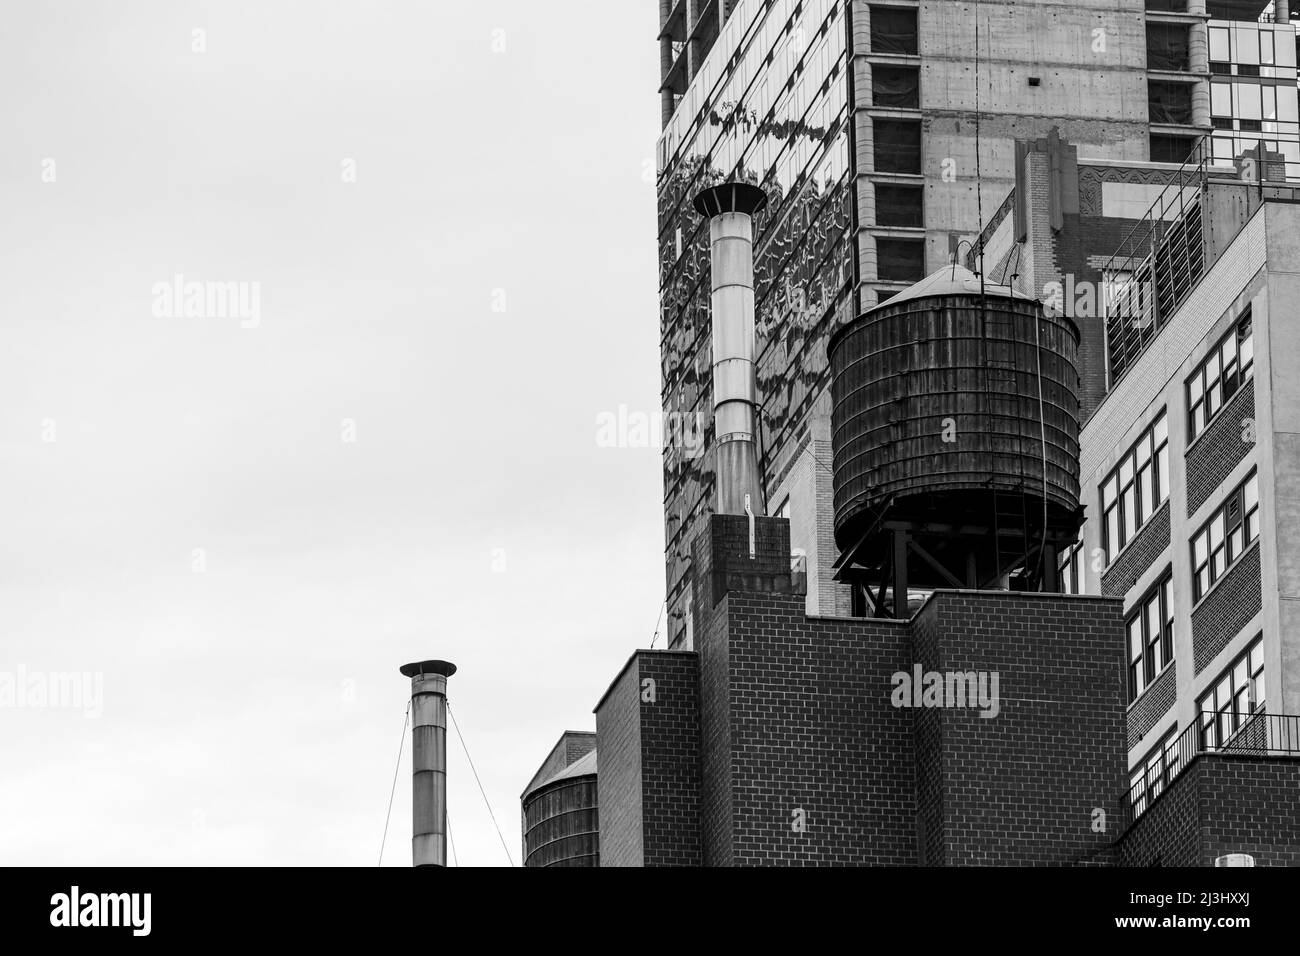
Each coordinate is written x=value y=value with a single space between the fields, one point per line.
x=955 y=431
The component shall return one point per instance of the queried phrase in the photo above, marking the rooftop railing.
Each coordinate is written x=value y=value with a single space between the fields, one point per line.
x=1156 y=266
x=1256 y=734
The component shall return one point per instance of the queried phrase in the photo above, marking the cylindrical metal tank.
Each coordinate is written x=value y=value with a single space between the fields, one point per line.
x=562 y=819
x=936 y=397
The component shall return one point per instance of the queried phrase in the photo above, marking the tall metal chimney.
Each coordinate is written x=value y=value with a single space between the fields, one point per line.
x=730 y=208
x=429 y=761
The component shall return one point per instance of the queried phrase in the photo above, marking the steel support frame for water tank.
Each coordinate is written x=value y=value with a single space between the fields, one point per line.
x=906 y=543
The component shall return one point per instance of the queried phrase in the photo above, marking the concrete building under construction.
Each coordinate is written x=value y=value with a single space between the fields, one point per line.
x=988 y=560
x=861 y=122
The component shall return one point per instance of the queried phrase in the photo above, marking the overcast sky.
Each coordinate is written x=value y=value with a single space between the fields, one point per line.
x=246 y=523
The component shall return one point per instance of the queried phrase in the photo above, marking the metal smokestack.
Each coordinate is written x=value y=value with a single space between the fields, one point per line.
x=429 y=761
x=730 y=208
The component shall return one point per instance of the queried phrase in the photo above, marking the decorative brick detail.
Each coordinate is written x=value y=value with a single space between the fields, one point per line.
x=1231 y=603
x=721 y=562
x=1142 y=552
x=1219 y=449
x=1152 y=705
x=1221 y=804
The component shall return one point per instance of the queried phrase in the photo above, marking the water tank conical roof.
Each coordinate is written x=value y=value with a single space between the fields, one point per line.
x=955 y=280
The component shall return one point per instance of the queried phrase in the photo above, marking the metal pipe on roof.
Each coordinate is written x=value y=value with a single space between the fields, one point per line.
x=429 y=760
x=730 y=208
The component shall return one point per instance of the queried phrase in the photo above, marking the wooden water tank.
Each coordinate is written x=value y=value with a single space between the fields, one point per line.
x=946 y=403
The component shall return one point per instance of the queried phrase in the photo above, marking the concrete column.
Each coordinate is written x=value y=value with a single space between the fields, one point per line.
x=693 y=58
x=1198 y=50
x=429 y=761
x=666 y=104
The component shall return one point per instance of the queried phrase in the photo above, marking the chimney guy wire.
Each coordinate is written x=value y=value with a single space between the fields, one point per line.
x=486 y=802
x=401 y=745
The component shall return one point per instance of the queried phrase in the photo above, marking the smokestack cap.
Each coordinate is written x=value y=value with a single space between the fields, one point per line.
x=730 y=197
x=445 y=668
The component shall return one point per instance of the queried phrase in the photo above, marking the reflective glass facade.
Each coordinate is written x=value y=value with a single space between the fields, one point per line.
x=1253 y=94
x=768 y=106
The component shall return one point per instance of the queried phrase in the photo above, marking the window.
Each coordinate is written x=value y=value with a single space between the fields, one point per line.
x=1167 y=47
x=1169 y=103
x=1138 y=486
x=1171 y=149
x=1219 y=48
x=1225 y=537
x=896 y=87
x=893 y=30
x=1238 y=693
x=1148 y=779
x=900 y=260
x=1072 y=570
x=1221 y=100
x=898 y=206
x=1149 y=632
x=897 y=146
x=1219 y=376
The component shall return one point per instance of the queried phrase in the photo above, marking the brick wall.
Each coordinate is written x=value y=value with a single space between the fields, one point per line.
x=1221 y=804
x=1140 y=553
x=1021 y=788
x=1229 y=606
x=1251 y=805
x=670 y=759
x=720 y=560
x=1219 y=449
x=577 y=744
x=1152 y=705
x=1168 y=833
x=798 y=729
x=647 y=727
x=618 y=781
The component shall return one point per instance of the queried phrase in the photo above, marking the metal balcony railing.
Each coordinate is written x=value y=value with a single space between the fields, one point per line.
x=1256 y=734
x=1157 y=265
x=1163 y=257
